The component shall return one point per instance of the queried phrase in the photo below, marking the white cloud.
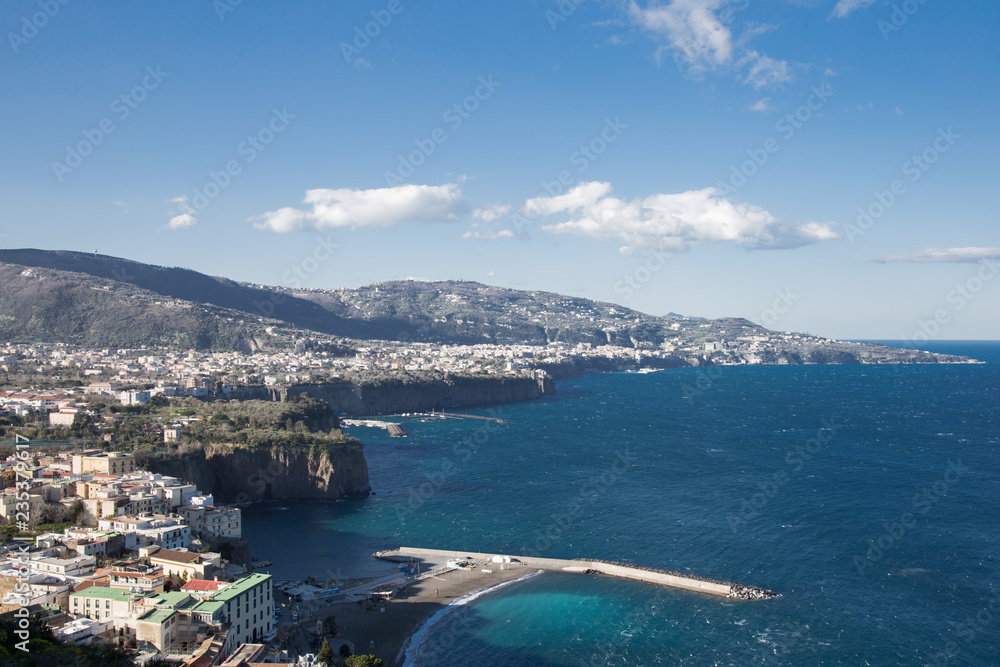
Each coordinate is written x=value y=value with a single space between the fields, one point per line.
x=845 y=7
x=899 y=112
x=186 y=218
x=697 y=33
x=119 y=203
x=692 y=29
x=671 y=221
x=182 y=221
x=761 y=105
x=764 y=71
x=490 y=235
x=378 y=208
x=954 y=255
x=492 y=212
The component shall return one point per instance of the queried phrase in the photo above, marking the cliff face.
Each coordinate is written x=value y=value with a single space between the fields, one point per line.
x=239 y=474
x=574 y=367
x=393 y=396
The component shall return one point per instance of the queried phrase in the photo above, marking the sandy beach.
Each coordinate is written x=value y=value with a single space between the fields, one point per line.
x=390 y=630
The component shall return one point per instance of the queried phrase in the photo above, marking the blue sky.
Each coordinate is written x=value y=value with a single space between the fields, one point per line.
x=706 y=157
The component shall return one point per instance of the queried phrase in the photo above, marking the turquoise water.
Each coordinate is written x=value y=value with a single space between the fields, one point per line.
x=829 y=484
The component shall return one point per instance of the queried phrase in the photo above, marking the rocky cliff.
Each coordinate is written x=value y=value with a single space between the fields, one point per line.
x=394 y=396
x=573 y=367
x=241 y=474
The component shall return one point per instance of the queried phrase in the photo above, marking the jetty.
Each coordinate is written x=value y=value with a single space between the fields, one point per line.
x=650 y=575
x=394 y=429
x=457 y=415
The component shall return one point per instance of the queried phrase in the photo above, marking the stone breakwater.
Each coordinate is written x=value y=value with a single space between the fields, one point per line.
x=736 y=591
x=436 y=557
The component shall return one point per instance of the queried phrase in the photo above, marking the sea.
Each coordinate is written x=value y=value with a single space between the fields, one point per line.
x=867 y=496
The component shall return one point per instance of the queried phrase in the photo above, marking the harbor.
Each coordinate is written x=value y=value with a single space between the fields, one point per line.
x=456 y=415
x=395 y=429
x=488 y=562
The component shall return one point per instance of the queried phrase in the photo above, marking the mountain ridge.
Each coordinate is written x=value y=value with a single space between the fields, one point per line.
x=103 y=301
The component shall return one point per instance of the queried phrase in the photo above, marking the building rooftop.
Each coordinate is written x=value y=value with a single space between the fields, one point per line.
x=240 y=586
x=103 y=592
x=158 y=616
x=200 y=585
x=176 y=556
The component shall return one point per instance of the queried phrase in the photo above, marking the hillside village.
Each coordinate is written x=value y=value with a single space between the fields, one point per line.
x=109 y=552
x=134 y=564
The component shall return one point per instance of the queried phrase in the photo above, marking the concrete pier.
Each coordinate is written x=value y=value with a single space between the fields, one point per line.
x=394 y=429
x=583 y=566
x=456 y=415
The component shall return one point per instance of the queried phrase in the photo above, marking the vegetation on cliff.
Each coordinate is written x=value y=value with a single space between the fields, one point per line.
x=44 y=650
x=301 y=421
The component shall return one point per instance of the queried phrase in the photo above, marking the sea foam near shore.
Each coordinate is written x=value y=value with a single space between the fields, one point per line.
x=412 y=646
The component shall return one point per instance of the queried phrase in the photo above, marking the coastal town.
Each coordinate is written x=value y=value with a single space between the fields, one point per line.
x=152 y=565
x=136 y=563
x=106 y=551
x=200 y=373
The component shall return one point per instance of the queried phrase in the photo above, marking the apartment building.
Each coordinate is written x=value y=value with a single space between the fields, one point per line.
x=105 y=463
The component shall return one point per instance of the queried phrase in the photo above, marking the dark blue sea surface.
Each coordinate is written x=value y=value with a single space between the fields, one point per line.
x=868 y=496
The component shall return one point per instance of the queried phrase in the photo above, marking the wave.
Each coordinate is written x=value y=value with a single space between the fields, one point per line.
x=416 y=640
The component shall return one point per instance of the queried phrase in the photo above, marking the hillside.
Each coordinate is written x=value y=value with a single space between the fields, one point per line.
x=39 y=304
x=460 y=312
x=100 y=301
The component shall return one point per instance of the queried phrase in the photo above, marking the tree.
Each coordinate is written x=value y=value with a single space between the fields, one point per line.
x=330 y=625
x=363 y=661
x=325 y=654
x=44 y=650
x=76 y=511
